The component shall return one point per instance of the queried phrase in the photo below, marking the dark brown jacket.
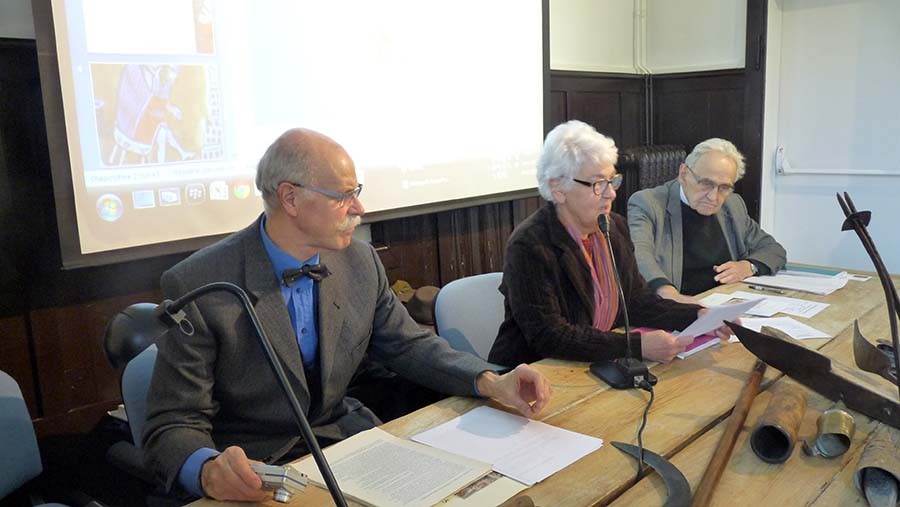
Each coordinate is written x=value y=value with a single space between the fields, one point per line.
x=549 y=297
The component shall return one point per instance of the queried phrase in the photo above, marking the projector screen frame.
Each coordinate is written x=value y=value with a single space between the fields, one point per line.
x=60 y=168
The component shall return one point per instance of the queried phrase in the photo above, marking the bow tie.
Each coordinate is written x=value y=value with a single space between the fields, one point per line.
x=315 y=271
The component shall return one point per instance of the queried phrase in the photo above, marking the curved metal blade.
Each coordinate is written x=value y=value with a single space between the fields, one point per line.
x=679 y=491
x=868 y=357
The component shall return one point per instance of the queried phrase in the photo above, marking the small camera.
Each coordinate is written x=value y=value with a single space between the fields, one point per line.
x=282 y=481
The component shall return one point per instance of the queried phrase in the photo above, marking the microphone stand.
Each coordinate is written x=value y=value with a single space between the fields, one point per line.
x=625 y=372
x=172 y=314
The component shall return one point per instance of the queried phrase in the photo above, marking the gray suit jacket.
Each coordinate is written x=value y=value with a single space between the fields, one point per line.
x=215 y=389
x=654 y=218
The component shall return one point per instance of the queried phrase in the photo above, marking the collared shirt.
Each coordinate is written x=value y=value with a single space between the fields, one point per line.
x=301 y=300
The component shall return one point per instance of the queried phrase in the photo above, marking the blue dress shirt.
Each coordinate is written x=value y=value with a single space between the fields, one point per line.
x=301 y=300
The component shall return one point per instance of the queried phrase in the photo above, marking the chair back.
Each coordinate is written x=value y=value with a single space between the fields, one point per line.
x=135 y=385
x=468 y=313
x=20 y=459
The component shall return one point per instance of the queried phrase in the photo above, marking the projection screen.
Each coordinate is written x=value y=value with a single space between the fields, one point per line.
x=169 y=104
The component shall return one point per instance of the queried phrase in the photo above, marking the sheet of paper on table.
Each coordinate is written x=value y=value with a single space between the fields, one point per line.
x=379 y=469
x=794 y=329
x=770 y=305
x=520 y=448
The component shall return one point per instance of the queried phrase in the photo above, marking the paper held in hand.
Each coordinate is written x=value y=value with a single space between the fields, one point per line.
x=714 y=317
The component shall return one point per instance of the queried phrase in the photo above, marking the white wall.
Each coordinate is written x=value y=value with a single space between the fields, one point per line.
x=592 y=35
x=833 y=102
x=15 y=19
x=663 y=36
x=695 y=35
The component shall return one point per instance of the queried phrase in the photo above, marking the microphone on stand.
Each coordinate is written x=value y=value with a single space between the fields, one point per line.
x=624 y=372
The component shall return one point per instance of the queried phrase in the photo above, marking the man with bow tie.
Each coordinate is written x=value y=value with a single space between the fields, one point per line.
x=325 y=302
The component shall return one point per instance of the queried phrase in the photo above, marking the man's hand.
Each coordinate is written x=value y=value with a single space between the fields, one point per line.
x=670 y=292
x=733 y=271
x=524 y=389
x=228 y=476
x=662 y=346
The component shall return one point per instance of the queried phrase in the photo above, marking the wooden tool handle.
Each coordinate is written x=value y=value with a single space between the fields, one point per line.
x=723 y=452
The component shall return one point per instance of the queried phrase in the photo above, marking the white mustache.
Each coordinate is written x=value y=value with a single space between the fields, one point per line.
x=350 y=223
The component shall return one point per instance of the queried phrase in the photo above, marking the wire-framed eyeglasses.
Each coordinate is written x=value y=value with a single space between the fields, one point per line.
x=599 y=186
x=343 y=198
x=707 y=185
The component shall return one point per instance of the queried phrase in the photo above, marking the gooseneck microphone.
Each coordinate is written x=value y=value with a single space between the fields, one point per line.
x=624 y=372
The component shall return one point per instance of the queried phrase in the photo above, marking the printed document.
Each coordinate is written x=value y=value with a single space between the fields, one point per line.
x=769 y=305
x=520 y=448
x=377 y=468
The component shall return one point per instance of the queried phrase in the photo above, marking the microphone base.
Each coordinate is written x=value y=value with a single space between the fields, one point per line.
x=623 y=373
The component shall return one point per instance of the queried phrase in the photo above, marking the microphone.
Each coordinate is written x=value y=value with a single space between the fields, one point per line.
x=624 y=372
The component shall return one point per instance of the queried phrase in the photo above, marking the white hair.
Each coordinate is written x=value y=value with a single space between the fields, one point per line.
x=568 y=148
x=722 y=146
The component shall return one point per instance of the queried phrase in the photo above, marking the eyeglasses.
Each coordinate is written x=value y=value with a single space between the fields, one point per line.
x=343 y=198
x=707 y=185
x=600 y=185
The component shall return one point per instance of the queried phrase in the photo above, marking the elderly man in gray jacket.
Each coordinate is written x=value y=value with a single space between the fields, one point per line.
x=693 y=233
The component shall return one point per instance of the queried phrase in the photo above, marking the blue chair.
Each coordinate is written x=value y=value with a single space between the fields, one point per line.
x=135 y=384
x=468 y=313
x=20 y=458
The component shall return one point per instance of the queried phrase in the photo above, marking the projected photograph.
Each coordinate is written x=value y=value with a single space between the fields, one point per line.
x=156 y=113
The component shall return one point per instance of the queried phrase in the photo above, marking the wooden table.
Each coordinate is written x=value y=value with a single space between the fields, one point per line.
x=693 y=399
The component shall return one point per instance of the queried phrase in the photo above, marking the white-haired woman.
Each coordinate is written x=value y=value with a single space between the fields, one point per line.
x=561 y=293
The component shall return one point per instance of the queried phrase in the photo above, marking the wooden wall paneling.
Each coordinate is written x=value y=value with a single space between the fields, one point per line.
x=691 y=108
x=15 y=358
x=754 y=104
x=558 y=111
x=408 y=249
x=473 y=240
x=68 y=342
x=612 y=103
x=523 y=208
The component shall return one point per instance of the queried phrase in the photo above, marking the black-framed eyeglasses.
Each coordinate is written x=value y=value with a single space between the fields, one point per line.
x=707 y=185
x=599 y=186
x=343 y=198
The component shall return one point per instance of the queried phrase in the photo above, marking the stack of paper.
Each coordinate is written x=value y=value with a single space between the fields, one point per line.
x=700 y=343
x=817 y=271
x=815 y=285
x=377 y=468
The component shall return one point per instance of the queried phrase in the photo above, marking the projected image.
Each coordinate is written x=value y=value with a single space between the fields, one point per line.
x=203 y=26
x=155 y=114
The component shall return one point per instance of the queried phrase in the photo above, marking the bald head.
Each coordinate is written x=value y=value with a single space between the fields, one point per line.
x=299 y=156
